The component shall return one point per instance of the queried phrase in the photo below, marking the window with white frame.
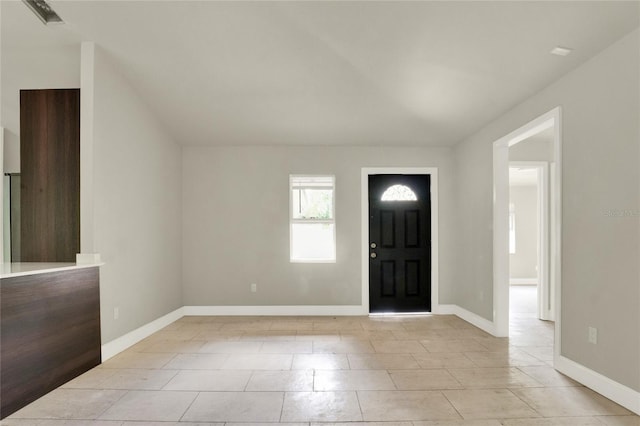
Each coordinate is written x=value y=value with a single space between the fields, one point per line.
x=312 y=218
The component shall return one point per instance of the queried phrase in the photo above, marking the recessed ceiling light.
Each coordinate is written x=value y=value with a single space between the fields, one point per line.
x=561 y=51
x=43 y=11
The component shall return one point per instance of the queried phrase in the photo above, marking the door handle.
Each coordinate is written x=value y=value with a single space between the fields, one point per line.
x=373 y=255
x=373 y=245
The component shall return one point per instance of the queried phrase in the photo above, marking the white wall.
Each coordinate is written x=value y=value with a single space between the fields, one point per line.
x=523 y=263
x=600 y=274
x=38 y=67
x=236 y=223
x=136 y=200
x=473 y=283
x=136 y=197
x=42 y=68
x=3 y=244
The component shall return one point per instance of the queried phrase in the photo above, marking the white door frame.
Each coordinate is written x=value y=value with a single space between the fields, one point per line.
x=501 y=218
x=544 y=281
x=433 y=173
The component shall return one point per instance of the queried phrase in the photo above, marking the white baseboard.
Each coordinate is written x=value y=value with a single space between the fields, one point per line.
x=304 y=310
x=475 y=319
x=523 y=281
x=118 y=345
x=618 y=393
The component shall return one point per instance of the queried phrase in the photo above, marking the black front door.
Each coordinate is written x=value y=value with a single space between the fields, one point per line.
x=399 y=243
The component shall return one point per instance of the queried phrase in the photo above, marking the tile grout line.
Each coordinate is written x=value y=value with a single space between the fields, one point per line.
x=526 y=403
x=452 y=405
x=111 y=406
x=246 y=385
x=189 y=407
x=359 y=405
x=284 y=396
x=313 y=383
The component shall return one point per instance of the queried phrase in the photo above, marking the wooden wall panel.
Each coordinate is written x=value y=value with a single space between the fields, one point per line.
x=50 y=175
x=49 y=333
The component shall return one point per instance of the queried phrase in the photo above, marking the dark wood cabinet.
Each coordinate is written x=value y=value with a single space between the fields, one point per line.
x=50 y=175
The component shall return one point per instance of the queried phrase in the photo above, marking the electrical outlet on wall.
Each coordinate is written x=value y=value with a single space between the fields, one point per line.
x=116 y=313
x=593 y=335
x=254 y=287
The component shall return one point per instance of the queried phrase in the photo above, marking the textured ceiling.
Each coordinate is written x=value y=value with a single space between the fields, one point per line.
x=335 y=73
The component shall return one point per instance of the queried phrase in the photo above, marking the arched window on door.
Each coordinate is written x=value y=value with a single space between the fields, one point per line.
x=399 y=193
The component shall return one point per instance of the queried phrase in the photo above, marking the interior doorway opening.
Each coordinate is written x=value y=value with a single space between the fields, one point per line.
x=534 y=147
x=529 y=232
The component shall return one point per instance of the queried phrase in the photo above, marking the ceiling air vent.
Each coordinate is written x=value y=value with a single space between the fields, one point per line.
x=42 y=9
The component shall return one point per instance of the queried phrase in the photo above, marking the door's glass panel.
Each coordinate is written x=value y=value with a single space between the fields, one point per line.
x=412 y=277
x=387 y=228
x=412 y=228
x=399 y=193
x=388 y=276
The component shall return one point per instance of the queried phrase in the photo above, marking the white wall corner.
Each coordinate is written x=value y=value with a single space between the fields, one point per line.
x=120 y=344
x=474 y=319
x=87 y=88
x=88 y=258
x=617 y=392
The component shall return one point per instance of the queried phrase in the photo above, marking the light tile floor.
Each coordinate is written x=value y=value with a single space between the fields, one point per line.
x=403 y=371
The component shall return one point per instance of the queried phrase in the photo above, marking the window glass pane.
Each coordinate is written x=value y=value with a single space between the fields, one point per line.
x=312 y=241
x=399 y=193
x=311 y=203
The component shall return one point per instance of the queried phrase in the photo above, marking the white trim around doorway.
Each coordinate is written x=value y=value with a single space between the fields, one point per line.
x=500 y=220
x=433 y=173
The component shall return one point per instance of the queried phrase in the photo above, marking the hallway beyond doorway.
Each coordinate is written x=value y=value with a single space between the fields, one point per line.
x=530 y=334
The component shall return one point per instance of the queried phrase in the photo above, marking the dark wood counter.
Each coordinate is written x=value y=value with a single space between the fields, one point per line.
x=49 y=333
